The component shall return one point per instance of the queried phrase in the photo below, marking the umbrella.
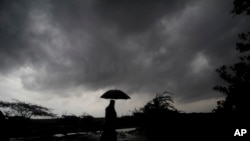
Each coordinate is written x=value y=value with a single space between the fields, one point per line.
x=115 y=94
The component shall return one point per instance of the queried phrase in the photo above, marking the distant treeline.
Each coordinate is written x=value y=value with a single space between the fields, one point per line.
x=155 y=126
x=157 y=119
x=21 y=127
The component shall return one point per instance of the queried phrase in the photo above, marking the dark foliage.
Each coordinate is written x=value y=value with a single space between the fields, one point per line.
x=161 y=103
x=241 y=6
x=26 y=110
x=159 y=120
x=237 y=76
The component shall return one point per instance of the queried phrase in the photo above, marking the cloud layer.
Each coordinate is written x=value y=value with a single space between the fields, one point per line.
x=141 y=47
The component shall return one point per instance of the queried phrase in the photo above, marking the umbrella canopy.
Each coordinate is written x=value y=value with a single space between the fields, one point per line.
x=115 y=94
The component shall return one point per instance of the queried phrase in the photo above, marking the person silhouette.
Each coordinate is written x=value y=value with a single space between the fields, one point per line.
x=109 y=133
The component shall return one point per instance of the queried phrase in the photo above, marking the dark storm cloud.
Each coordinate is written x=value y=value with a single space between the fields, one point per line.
x=138 y=46
x=12 y=20
x=127 y=16
x=136 y=16
x=16 y=50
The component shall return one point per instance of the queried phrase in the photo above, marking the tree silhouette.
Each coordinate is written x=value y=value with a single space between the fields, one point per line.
x=241 y=6
x=237 y=76
x=163 y=102
x=26 y=110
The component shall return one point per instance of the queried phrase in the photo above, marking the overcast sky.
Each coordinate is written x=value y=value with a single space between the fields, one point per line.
x=65 y=54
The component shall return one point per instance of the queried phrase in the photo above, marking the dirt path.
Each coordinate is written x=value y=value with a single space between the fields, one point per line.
x=122 y=135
